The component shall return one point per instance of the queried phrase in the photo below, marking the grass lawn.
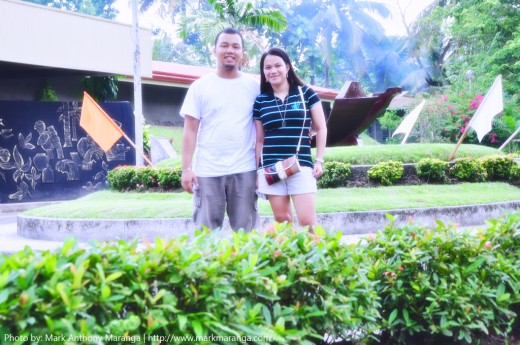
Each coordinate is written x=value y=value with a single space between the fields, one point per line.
x=370 y=153
x=114 y=205
x=169 y=132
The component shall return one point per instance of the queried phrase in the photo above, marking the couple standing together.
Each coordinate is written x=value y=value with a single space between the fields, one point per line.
x=231 y=130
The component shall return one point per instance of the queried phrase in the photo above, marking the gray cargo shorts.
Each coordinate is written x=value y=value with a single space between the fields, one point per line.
x=234 y=194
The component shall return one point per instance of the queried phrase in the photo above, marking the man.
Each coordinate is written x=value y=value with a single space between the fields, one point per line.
x=218 y=156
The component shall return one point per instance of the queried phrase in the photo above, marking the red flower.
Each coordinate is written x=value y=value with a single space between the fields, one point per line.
x=475 y=102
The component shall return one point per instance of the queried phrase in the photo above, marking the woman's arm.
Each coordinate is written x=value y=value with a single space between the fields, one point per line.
x=320 y=125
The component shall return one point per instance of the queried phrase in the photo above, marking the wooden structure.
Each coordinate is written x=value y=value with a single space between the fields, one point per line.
x=353 y=112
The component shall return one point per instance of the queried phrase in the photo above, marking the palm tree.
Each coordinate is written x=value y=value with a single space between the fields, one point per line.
x=349 y=30
x=204 y=24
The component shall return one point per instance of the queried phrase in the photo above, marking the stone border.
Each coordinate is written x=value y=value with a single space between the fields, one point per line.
x=349 y=223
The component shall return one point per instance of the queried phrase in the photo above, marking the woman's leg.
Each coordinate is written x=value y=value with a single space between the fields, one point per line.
x=281 y=205
x=305 y=207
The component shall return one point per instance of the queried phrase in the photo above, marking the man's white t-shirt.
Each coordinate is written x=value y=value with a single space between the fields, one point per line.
x=226 y=137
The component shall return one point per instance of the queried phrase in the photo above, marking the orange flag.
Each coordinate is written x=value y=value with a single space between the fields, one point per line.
x=98 y=124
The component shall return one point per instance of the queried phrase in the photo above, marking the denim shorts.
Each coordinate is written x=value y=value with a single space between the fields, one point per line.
x=299 y=183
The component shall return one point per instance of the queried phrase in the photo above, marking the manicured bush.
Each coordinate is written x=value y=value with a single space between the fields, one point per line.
x=405 y=285
x=284 y=287
x=442 y=283
x=121 y=178
x=386 y=173
x=498 y=168
x=335 y=175
x=130 y=178
x=468 y=169
x=146 y=178
x=514 y=173
x=169 y=179
x=432 y=170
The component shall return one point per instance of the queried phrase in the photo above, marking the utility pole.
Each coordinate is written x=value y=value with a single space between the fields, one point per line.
x=138 y=101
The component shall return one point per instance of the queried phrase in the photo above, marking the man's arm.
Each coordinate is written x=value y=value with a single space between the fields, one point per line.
x=189 y=140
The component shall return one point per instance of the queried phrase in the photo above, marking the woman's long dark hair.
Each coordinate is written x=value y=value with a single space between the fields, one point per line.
x=291 y=77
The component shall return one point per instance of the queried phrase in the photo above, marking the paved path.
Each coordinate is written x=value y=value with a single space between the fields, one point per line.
x=11 y=242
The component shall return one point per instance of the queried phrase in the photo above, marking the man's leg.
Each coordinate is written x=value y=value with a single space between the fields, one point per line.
x=209 y=202
x=242 y=207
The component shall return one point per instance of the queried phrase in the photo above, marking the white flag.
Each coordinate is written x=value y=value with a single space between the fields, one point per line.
x=491 y=105
x=406 y=126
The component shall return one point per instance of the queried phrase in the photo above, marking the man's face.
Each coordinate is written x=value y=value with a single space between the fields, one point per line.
x=229 y=51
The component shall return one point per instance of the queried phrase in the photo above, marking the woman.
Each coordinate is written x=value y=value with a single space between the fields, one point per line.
x=279 y=118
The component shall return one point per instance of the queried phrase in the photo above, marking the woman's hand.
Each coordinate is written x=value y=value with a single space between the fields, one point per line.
x=318 y=169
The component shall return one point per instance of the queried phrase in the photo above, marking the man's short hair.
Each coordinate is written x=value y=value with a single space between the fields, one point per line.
x=231 y=31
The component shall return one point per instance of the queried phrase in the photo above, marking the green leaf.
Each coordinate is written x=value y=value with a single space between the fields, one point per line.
x=105 y=292
x=113 y=276
x=63 y=294
x=197 y=328
x=392 y=316
x=406 y=317
x=183 y=320
x=474 y=266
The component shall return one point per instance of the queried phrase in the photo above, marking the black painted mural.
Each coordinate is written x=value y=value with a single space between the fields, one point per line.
x=45 y=154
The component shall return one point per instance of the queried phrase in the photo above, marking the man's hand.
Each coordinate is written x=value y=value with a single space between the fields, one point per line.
x=189 y=180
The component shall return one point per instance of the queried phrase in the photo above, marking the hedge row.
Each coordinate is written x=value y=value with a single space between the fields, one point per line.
x=338 y=174
x=280 y=286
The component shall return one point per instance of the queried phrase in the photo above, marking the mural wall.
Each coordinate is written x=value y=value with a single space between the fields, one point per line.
x=45 y=154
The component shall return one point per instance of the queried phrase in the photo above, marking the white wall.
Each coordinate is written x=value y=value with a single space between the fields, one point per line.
x=43 y=36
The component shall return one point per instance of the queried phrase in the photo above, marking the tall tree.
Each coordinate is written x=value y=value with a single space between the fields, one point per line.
x=203 y=24
x=101 y=8
x=351 y=29
x=480 y=36
x=334 y=40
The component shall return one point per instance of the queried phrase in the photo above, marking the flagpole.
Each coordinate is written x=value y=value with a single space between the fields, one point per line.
x=408 y=122
x=452 y=155
x=138 y=102
x=138 y=150
x=404 y=139
x=509 y=139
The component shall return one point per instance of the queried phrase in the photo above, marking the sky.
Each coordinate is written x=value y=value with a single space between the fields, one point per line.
x=411 y=9
x=393 y=26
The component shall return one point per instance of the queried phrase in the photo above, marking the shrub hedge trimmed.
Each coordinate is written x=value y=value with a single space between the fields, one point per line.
x=281 y=286
x=337 y=174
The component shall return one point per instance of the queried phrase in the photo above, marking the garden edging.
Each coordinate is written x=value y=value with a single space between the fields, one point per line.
x=349 y=223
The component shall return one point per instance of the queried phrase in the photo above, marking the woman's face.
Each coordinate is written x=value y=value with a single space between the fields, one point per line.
x=275 y=70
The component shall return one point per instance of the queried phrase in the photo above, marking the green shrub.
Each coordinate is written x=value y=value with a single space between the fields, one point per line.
x=335 y=174
x=121 y=178
x=497 y=167
x=514 y=173
x=287 y=286
x=468 y=169
x=432 y=169
x=441 y=283
x=169 y=179
x=386 y=173
x=144 y=178
x=48 y=94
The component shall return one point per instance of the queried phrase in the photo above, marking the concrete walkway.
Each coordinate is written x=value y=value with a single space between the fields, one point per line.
x=18 y=230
